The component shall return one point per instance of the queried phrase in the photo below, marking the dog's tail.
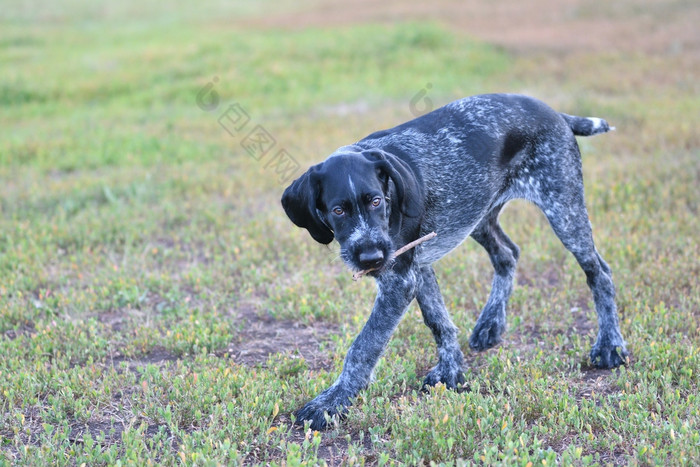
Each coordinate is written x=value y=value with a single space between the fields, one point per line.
x=587 y=126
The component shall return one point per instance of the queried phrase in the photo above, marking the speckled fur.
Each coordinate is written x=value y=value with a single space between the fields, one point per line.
x=450 y=171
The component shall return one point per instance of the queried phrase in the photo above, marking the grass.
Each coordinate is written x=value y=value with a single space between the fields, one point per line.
x=156 y=306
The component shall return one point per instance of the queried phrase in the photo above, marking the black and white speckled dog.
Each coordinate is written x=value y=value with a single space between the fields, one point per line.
x=450 y=171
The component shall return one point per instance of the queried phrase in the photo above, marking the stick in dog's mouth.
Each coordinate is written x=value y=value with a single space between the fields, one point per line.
x=401 y=250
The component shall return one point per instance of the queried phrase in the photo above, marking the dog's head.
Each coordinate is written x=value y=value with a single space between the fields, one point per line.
x=360 y=199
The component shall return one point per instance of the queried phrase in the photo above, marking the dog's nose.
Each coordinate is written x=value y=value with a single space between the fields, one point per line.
x=371 y=258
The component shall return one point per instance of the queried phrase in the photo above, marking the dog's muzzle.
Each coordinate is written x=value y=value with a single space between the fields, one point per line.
x=371 y=258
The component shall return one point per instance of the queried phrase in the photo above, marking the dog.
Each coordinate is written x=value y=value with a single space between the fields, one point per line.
x=450 y=171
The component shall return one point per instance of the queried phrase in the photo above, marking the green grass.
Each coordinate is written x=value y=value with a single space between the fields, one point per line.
x=156 y=306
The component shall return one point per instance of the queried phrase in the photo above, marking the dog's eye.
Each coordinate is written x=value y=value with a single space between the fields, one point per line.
x=376 y=201
x=338 y=211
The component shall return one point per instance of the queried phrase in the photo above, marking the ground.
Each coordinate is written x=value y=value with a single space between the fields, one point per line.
x=156 y=306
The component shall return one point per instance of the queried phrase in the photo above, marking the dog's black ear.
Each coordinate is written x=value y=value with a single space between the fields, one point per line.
x=300 y=203
x=409 y=189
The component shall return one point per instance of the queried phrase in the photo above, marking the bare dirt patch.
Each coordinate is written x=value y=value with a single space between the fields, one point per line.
x=21 y=330
x=263 y=336
x=596 y=383
x=158 y=357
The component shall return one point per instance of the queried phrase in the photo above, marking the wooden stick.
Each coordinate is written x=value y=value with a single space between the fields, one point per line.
x=398 y=252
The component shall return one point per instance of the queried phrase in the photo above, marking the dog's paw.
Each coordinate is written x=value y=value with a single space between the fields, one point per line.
x=449 y=375
x=608 y=356
x=319 y=411
x=486 y=334
x=448 y=371
x=316 y=414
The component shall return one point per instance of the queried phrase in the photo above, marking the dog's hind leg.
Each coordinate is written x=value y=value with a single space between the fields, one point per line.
x=449 y=368
x=565 y=208
x=504 y=256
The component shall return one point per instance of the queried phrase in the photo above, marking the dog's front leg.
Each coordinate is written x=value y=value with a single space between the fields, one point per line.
x=395 y=293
